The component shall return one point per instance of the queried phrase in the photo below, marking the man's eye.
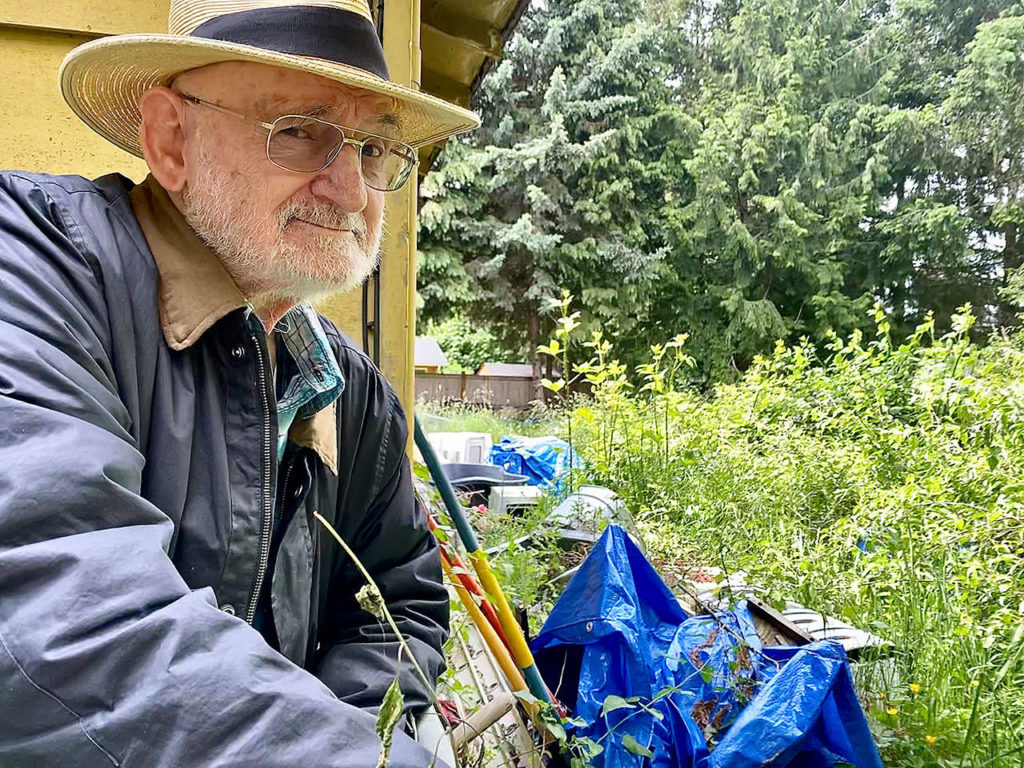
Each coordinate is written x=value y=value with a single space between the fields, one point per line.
x=295 y=132
x=373 y=149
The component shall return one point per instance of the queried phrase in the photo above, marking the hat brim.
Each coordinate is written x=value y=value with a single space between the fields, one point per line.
x=103 y=80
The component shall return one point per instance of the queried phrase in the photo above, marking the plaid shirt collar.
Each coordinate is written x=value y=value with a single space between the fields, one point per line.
x=195 y=292
x=308 y=373
x=315 y=378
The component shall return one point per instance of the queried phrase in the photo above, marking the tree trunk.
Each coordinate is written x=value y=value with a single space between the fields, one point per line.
x=1011 y=260
x=1011 y=253
x=533 y=332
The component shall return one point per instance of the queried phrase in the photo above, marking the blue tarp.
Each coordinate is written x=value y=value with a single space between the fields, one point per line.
x=545 y=461
x=618 y=630
x=806 y=715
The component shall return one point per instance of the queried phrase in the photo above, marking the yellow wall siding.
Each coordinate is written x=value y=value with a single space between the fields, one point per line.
x=39 y=132
x=95 y=17
x=398 y=270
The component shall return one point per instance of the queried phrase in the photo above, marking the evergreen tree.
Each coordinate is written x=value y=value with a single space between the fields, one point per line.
x=554 y=191
x=740 y=171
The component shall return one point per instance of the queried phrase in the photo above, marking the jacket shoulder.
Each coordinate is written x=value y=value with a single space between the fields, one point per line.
x=91 y=221
x=24 y=185
x=86 y=212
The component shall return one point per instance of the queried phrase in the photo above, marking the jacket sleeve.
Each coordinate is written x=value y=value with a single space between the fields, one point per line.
x=380 y=519
x=106 y=657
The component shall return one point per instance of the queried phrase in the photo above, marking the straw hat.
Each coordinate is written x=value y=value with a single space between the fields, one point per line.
x=103 y=80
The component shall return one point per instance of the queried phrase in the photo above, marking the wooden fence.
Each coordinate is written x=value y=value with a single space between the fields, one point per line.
x=492 y=391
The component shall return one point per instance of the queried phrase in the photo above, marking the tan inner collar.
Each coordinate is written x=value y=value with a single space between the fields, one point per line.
x=195 y=292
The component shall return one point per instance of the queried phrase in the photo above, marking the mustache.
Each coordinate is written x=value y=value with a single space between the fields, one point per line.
x=324 y=215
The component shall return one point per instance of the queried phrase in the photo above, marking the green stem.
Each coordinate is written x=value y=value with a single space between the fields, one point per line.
x=648 y=707
x=970 y=725
x=384 y=607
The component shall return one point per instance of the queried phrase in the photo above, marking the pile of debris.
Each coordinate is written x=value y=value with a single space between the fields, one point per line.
x=707 y=677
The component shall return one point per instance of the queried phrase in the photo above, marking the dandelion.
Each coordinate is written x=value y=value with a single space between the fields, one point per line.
x=893 y=710
x=929 y=739
x=915 y=688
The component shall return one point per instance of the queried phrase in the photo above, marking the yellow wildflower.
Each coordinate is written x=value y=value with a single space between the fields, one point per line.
x=929 y=739
x=975 y=683
x=893 y=710
x=915 y=688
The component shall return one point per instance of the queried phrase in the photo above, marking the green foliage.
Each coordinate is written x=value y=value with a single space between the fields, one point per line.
x=462 y=417
x=747 y=171
x=547 y=193
x=1013 y=292
x=881 y=483
x=466 y=345
x=371 y=599
x=632 y=745
x=387 y=719
x=985 y=115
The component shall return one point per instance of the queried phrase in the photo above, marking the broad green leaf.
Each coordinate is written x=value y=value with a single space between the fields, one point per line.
x=526 y=697
x=635 y=747
x=613 y=702
x=441 y=535
x=587 y=748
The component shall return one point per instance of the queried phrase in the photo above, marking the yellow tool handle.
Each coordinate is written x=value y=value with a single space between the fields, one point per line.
x=494 y=643
x=514 y=633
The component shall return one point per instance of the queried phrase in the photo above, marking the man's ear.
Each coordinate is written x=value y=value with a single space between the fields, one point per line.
x=162 y=136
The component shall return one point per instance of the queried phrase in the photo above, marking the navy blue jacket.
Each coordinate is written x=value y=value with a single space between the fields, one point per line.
x=137 y=485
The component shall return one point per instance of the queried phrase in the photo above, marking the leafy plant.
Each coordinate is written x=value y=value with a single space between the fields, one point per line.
x=745 y=171
x=372 y=601
x=876 y=480
x=880 y=483
x=466 y=345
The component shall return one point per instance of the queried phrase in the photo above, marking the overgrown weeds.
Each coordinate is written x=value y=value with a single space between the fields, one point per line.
x=462 y=417
x=877 y=482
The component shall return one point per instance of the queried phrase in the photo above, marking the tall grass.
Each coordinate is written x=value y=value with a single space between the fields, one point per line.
x=880 y=484
x=462 y=417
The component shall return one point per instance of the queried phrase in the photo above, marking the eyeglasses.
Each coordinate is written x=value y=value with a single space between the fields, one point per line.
x=306 y=144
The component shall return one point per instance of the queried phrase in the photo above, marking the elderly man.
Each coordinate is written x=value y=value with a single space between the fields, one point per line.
x=172 y=412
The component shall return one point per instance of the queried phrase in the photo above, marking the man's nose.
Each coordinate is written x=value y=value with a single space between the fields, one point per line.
x=342 y=181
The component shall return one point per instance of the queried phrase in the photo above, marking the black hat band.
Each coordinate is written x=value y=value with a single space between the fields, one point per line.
x=324 y=33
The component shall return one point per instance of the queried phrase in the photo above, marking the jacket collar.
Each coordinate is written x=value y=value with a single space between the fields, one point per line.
x=195 y=292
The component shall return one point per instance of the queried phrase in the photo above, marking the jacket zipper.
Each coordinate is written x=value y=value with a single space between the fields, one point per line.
x=268 y=509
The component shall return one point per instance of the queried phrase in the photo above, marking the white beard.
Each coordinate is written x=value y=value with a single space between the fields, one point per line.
x=254 y=250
